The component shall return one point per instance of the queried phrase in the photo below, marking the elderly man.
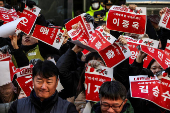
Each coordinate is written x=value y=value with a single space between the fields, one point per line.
x=44 y=97
x=112 y=99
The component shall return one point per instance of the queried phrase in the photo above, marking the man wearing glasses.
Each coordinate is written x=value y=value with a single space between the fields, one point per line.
x=112 y=99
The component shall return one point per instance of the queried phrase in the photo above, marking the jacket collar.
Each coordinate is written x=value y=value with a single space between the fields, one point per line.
x=45 y=103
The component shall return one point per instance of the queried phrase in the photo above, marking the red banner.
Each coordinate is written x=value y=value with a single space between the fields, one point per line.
x=88 y=28
x=158 y=55
x=94 y=78
x=51 y=36
x=116 y=51
x=4 y=57
x=8 y=15
x=30 y=17
x=101 y=39
x=151 y=89
x=134 y=51
x=165 y=22
x=26 y=84
x=127 y=20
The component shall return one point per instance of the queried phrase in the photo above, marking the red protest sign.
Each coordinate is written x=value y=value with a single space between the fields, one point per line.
x=26 y=84
x=94 y=78
x=165 y=22
x=87 y=27
x=27 y=70
x=79 y=34
x=4 y=57
x=151 y=89
x=116 y=51
x=100 y=39
x=8 y=15
x=157 y=54
x=30 y=16
x=51 y=36
x=127 y=20
x=134 y=51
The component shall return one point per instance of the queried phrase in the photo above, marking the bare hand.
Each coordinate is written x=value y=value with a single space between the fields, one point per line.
x=122 y=40
x=131 y=6
x=162 y=11
x=65 y=35
x=106 y=29
x=140 y=57
x=77 y=49
x=14 y=41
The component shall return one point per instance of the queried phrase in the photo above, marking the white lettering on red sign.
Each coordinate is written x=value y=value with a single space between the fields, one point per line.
x=110 y=54
x=44 y=30
x=144 y=89
x=166 y=95
x=155 y=91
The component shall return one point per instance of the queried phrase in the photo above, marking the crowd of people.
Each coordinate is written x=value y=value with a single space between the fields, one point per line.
x=67 y=65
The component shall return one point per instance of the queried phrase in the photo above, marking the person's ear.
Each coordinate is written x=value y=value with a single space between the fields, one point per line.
x=57 y=82
x=125 y=101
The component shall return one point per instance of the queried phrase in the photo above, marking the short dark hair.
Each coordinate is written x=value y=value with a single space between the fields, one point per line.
x=45 y=69
x=2 y=0
x=150 y=64
x=113 y=90
x=93 y=56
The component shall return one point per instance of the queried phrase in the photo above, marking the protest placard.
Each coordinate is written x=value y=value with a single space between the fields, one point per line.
x=4 y=57
x=94 y=78
x=5 y=73
x=151 y=89
x=165 y=22
x=126 y=20
x=115 y=54
x=158 y=54
x=8 y=15
x=30 y=17
x=88 y=28
x=51 y=36
x=9 y=28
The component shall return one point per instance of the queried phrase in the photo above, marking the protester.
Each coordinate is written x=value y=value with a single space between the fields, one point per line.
x=95 y=6
x=112 y=99
x=1 y=3
x=44 y=97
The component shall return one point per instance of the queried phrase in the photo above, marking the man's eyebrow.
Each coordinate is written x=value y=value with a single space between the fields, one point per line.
x=39 y=78
x=50 y=79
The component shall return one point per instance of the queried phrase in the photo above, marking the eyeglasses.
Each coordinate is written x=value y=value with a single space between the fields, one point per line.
x=107 y=106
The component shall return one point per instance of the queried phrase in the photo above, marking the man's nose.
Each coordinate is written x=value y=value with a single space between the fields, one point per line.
x=110 y=110
x=44 y=86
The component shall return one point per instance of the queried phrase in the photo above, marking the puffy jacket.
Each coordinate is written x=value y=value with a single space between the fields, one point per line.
x=32 y=104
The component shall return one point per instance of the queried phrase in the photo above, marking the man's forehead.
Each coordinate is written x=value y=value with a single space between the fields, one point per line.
x=110 y=101
x=41 y=77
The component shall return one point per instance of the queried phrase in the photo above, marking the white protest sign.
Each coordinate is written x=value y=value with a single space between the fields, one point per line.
x=5 y=73
x=9 y=28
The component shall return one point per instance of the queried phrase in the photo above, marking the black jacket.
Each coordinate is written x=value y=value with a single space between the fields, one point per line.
x=69 y=73
x=122 y=71
x=45 y=106
x=164 y=37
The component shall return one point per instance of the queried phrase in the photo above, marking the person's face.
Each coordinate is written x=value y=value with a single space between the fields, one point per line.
x=95 y=5
x=155 y=67
x=28 y=40
x=112 y=106
x=45 y=87
x=1 y=4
